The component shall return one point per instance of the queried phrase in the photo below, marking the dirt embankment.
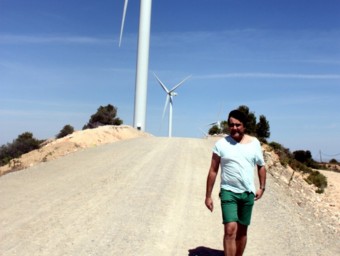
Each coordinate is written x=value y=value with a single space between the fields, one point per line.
x=325 y=206
x=55 y=148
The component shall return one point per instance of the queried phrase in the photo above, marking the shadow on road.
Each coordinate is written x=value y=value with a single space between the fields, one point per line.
x=204 y=251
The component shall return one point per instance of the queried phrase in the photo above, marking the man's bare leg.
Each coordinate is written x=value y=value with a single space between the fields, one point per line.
x=241 y=239
x=229 y=240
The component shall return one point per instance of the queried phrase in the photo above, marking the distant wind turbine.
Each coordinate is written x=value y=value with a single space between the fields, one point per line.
x=218 y=122
x=142 y=61
x=169 y=100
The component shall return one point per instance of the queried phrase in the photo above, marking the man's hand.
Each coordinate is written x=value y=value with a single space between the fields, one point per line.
x=259 y=194
x=209 y=203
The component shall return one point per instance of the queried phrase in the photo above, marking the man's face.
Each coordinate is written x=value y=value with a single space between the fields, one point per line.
x=236 y=129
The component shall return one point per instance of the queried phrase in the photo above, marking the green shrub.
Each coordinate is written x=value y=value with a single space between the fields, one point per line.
x=319 y=180
x=104 y=116
x=305 y=157
x=287 y=158
x=283 y=153
x=21 y=145
x=333 y=161
x=276 y=146
x=296 y=165
x=68 y=129
x=214 y=130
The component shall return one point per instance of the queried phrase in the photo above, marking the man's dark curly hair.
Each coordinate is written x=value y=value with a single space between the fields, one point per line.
x=239 y=115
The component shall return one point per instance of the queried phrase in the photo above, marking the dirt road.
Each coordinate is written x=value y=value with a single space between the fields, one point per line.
x=142 y=196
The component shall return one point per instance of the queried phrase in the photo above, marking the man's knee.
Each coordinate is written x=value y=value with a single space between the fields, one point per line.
x=230 y=230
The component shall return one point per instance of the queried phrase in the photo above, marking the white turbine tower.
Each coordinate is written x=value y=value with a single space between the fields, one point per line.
x=142 y=61
x=169 y=100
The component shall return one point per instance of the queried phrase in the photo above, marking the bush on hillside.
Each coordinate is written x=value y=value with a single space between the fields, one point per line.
x=287 y=158
x=262 y=129
x=275 y=146
x=67 y=129
x=333 y=161
x=104 y=116
x=21 y=145
x=283 y=153
x=222 y=128
x=319 y=180
x=305 y=157
x=296 y=165
x=214 y=130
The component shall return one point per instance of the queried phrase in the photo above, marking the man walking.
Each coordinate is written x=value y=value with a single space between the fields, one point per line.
x=238 y=154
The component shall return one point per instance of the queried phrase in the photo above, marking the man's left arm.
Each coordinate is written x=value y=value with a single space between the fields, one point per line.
x=261 y=170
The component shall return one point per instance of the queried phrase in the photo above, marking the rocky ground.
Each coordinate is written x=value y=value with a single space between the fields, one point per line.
x=325 y=206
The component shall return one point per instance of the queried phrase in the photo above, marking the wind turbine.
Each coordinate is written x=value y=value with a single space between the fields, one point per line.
x=169 y=100
x=142 y=61
x=218 y=122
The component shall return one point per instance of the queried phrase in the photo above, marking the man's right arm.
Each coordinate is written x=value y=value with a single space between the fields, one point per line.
x=215 y=163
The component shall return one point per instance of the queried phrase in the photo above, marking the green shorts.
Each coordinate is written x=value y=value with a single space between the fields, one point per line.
x=236 y=207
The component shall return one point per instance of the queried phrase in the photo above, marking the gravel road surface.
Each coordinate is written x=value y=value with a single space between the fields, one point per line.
x=142 y=196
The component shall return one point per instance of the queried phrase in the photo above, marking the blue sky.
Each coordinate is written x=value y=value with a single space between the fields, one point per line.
x=60 y=61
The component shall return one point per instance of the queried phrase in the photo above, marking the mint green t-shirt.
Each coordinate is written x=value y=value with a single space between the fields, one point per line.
x=238 y=163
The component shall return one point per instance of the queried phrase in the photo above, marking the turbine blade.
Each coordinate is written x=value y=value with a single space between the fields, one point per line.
x=165 y=105
x=205 y=134
x=123 y=21
x=214 y=123
x=160 y=82
x=180 y=83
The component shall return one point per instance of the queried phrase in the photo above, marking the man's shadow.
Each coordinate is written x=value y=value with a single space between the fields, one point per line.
x=205 y=251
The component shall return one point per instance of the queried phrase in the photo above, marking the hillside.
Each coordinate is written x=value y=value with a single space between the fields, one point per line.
x=325 y=207
x=55 y=148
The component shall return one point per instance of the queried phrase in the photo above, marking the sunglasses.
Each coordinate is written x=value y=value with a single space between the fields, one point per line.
x=232 y=125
